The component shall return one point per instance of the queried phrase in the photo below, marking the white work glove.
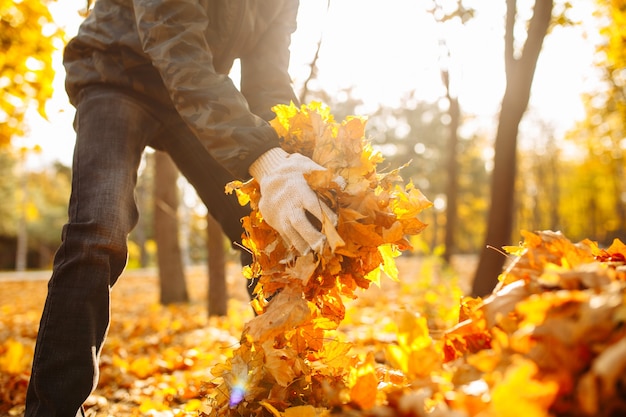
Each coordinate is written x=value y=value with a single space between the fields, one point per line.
x=286 y=197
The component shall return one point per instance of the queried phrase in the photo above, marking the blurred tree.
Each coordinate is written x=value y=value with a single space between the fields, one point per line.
x=520 y=66
x=8 y=184
x=539 y=196
x=473 y=192
x=413 y=136
x=601 y=135
x=26 y=210
x=452 y=187
x=41 y=198
x=450 y=14
x=173 y=288
x=142 y=234
x=48 y=194
x=28 y=38
x=217 y=291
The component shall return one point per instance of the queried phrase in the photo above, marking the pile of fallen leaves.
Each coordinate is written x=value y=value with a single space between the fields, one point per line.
x=290 y=355
x=156 y=358
x=548 y=341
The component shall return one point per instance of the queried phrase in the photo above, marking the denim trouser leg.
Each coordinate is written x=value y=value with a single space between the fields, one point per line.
x=112 y=132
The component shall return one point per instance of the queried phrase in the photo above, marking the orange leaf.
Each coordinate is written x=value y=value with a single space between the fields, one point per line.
x=365 y=390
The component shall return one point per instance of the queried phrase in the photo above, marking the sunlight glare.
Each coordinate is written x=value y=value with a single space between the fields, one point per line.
x=238 y=392
x=387 y=57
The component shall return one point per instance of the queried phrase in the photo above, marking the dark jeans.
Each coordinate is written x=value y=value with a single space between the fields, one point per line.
x=113 y=129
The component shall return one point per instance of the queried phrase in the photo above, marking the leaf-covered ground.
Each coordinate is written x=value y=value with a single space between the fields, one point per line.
x=157 y=360
x=549 y=341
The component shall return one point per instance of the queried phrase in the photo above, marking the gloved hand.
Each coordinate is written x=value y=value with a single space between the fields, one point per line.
x=286 y=197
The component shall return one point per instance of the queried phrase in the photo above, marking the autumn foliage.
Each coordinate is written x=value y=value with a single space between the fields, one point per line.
x=27 y=42
x=287 y=355
x=548 y=341
x=550 y=338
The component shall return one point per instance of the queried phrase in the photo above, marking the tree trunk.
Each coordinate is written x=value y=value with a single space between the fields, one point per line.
x=218 y=294
x=617 y=166
x=554 y=197
x=140 y=230
x=452 y=188
x=173 y=288
x=21 y=252
x=519 y=75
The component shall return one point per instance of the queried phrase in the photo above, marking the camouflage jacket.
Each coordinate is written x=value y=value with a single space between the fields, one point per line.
x=180 y=51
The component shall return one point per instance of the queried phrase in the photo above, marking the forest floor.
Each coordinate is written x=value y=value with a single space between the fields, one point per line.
x=157 y=359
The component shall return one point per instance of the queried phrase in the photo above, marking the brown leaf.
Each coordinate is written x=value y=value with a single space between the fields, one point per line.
x=287 y=310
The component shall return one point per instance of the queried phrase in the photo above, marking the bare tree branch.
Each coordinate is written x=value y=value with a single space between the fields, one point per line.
x=313 y=66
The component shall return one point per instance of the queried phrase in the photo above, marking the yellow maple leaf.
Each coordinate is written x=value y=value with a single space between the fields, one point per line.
x=14 y=357
x=522 y=393
x=412 y=330
x=388 y=266
x=142 y=367
x=334 y=354
x=535 y=308
x=306 y=411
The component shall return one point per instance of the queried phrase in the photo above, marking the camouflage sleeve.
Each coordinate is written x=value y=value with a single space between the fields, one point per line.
x=172 y=35
x=265 y=80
